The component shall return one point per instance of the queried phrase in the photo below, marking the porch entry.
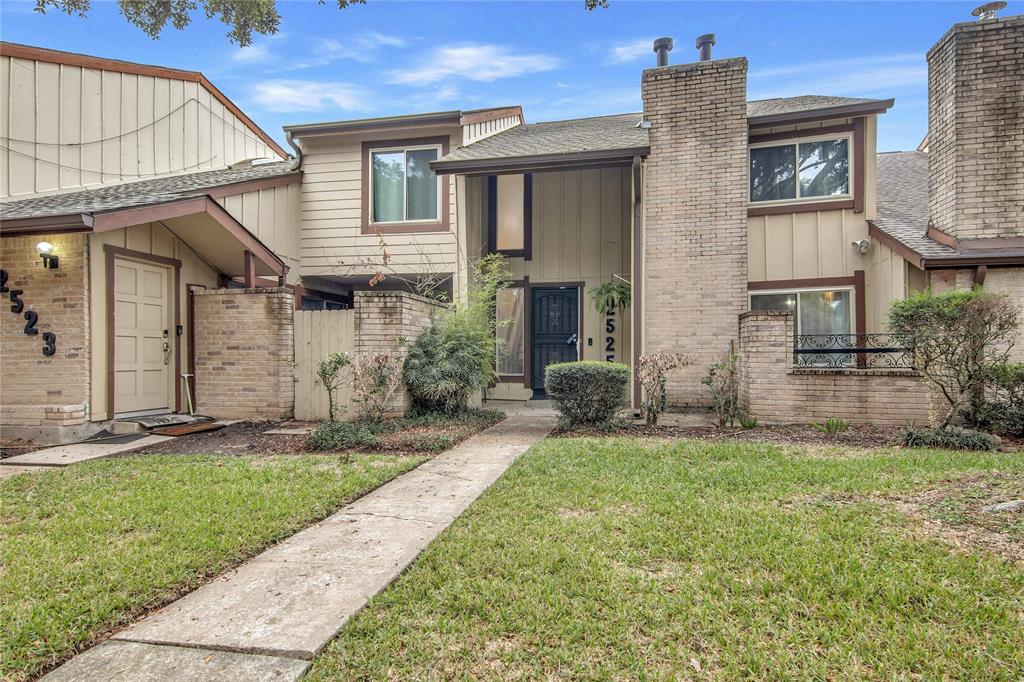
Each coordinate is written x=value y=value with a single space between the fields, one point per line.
x=143 y=339
x=554 y=329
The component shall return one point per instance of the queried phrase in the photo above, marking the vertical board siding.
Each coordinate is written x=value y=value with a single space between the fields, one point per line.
x=475 y=132
x=317 y=334
x=331 y=238
x=272 y=215
x=68 y=127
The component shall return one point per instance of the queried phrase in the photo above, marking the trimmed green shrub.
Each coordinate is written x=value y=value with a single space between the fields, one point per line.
x=335 y=436
x=1003 y=410
x=587 y=392
x=949 y=438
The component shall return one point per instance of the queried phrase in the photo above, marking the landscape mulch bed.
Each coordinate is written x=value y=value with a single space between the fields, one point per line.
x=858 y=435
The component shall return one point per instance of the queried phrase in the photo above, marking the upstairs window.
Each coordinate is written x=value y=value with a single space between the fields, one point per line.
x=510 y=214
x=403 y=187
x=800 y=170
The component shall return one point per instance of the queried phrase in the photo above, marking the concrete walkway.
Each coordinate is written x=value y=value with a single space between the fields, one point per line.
x=268 y=618
x=63 y=455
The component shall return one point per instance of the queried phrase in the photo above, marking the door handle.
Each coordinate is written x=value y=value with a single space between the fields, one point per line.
x=572 y=339
x=167 y=348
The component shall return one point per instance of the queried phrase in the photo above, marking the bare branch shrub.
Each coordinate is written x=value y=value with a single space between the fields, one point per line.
x=376 y=379
x=652 y=370
x=723 y=382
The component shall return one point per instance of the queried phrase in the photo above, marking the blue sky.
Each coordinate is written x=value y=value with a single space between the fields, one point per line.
x=554 y=58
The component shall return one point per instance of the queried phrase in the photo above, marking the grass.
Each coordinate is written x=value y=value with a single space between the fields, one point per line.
x=619 y=559
x=427 y=433
x=86 y=549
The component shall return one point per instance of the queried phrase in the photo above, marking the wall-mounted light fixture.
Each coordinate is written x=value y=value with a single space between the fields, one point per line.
x=45 y=250
x=862 y=245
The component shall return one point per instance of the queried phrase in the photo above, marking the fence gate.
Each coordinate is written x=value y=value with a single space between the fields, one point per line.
x=317 y=333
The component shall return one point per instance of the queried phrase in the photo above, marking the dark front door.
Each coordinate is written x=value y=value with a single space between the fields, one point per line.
x=554 y=330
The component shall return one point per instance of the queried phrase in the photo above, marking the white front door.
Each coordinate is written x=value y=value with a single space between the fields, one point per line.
x=142 y=336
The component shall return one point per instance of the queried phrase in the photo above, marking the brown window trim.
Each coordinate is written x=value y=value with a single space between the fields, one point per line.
x=857 y=281
x=808 y=205
x=367 y=226
x=523 y=378
x=492 y=218
x=111 y=252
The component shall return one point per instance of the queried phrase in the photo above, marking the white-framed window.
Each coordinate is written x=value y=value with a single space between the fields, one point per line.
x=510 y=314
x=403 y=187
x=818 y=312
x=805 y=169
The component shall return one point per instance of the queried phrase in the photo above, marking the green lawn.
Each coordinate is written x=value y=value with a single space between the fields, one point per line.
x=616 y=559
x=88 y=548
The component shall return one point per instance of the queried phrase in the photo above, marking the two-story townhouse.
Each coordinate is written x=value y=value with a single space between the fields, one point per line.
x=708 y=204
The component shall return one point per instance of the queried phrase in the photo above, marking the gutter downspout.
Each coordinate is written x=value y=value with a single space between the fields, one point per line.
x=295 y=163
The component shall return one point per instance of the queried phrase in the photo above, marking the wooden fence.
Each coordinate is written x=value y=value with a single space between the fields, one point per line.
x=318 y=333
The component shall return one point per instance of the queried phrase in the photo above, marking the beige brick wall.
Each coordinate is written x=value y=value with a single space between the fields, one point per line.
x=1008 y=281
x=244 y=353
x=695 y=215
x=45 y=397
x=774 y=391
x=384 y=317
x=975 y=130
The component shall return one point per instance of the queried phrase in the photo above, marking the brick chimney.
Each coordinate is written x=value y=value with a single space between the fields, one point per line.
x=976 y=129
x=695 y=215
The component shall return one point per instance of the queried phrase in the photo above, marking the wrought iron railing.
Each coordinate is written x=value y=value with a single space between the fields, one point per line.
x=853 y=351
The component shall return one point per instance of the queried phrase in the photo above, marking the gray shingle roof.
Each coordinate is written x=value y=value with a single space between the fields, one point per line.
x=139 y=193
x=902 y=211
x=601 y=133
x=792 y=105
x=612 y=133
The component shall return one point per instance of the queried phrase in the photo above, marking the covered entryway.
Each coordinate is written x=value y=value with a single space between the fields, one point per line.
x=555 y=329
x=143 y=379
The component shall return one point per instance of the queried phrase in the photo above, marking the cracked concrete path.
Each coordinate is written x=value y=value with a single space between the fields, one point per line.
x=271 y=615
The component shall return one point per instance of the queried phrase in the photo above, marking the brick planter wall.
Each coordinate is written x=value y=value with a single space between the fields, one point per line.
x=384 y=317
x=244 y=353
x=45 y=397
x=774 y=391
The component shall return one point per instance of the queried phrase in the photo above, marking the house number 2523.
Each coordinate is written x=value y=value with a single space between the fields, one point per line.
x=31 y=316
x=609 y=339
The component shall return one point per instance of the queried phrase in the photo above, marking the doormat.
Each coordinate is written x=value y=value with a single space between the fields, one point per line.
x=186 y=429
x=107 y=438
x=161 y=420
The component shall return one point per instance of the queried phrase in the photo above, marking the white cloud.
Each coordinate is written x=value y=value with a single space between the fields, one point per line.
x=298 y=95
x=864 y=76
x=362 y=48
x=632 y=51
x=257 y=52
x=477 y=62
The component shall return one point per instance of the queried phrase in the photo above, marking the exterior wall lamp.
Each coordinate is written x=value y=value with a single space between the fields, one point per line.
x=45 y=250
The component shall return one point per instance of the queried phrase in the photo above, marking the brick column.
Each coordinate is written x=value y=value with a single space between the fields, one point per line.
x=383 y=318
x=975 y=135
x=245 y=351
x=695 y=215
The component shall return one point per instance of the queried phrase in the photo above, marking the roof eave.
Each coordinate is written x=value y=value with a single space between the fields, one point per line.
x=967 y=260
x=55 y=224
x=841 y=111
x=373 y=124
x=539 y=162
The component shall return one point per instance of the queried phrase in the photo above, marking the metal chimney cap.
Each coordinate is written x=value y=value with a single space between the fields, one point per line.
x=665 y=43
x=707 y=38
x=988 y=10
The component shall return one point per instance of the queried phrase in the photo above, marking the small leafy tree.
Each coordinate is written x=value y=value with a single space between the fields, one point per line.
x=723 y=382
x=456 y=356
x=329 y=373
x=376 y=378
x=957 y=337
x=652 y=371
